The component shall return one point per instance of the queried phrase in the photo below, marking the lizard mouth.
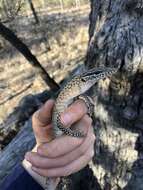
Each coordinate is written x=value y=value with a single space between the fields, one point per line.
x=92 y=72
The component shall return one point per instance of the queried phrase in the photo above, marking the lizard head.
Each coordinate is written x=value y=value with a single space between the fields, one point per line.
x=90 y=77
x=83 y=82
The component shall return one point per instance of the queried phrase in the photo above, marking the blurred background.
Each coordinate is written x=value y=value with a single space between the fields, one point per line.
x=56 y=33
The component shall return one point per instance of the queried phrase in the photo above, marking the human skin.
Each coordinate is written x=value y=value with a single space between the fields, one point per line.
x=64 y=155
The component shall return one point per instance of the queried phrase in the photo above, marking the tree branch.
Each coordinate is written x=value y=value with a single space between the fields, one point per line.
x=23 y=49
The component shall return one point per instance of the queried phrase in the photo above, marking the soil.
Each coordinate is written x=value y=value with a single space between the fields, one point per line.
x=59 y=43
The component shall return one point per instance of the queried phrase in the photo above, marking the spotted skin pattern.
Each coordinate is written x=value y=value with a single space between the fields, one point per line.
x=75 y=89
x=77 y=86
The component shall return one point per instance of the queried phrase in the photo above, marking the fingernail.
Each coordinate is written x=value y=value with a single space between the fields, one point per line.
x=66 y=119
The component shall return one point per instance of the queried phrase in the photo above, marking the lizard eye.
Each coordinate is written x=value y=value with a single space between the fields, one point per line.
x=83 y=79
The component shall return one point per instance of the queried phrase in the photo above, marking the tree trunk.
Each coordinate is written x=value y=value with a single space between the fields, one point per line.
x=34 y=12
x=77 y=4
x=15 y=151
x=23 y=49
x=61 y=5
x=4 y=5
x=116 y=37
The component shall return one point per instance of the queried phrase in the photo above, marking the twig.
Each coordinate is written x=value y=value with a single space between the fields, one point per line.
x=17 y=94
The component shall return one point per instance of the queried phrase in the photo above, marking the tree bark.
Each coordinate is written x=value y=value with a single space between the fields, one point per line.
x=61 y=5
x=15 y=151
x=77 y=3
x=23 y=49
x=116 y=38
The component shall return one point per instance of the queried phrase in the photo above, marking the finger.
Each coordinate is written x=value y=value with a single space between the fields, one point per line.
x=73 y=113
x=69 y=169
x=43 y=116
x=41 y=123
x=43 y=162
x=64 y=144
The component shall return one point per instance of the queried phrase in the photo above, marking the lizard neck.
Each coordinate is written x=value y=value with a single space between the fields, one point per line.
x=62 y=103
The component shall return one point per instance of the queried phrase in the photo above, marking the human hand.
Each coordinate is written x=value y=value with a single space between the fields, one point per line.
x=63 y=155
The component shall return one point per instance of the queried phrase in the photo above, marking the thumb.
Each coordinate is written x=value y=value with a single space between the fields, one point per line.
x=41 y=123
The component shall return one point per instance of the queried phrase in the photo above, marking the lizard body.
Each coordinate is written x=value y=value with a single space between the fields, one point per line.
x=77 y=86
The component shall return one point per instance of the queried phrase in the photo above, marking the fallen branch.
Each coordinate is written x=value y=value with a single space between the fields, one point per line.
x=23 y=49
x=15 y=151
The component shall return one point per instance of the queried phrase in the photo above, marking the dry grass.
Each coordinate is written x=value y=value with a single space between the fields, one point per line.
x=58 y=43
